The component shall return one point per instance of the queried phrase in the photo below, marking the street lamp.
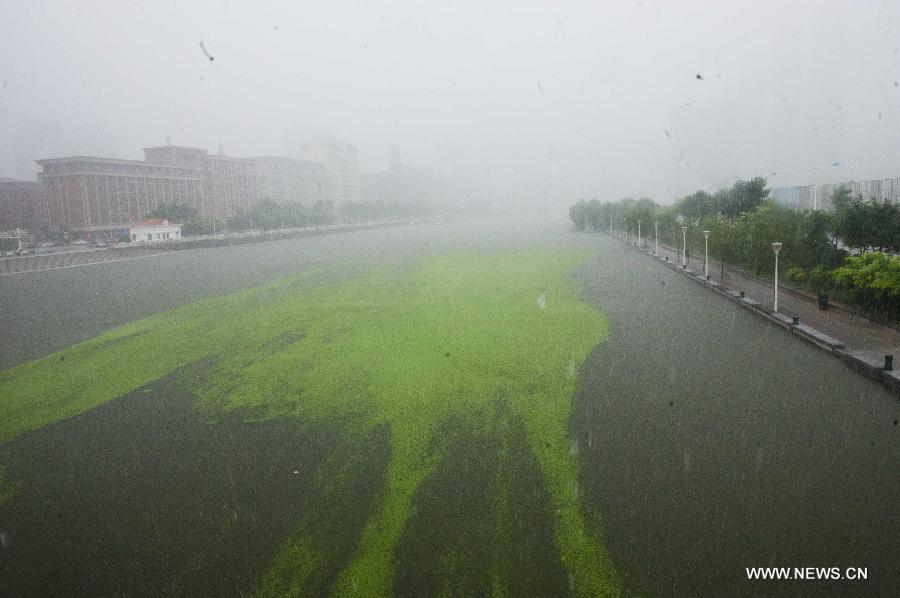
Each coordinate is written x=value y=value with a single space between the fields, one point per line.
x=684 y=247
x=610 y=224
x=706 y=254
x=639 y=233
x=776 y=247
x=656 y=251
x=626 y=232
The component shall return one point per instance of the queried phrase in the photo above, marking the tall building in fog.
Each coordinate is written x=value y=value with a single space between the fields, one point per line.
x=20 y=204
x=404 y=184
x=86 y=194
x=286 y=180
x=90 y=194
x=341 y=161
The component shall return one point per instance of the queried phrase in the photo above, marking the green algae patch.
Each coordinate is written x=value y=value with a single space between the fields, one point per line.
x=402 y=350
x=113 y=364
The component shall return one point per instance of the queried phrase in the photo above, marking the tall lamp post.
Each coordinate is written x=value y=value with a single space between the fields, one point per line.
x=610 y=224
x=626 y=232
x=639 y=233
x=684 y=247
x=776 y=247
x=706 y=254
x=656 y=251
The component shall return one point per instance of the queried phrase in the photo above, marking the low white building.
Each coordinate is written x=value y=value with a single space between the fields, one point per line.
x=154 y=230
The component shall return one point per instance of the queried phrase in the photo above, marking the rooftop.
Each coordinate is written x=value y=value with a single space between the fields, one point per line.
x=152 y=223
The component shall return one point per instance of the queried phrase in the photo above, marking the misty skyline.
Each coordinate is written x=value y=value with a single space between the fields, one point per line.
x=545 y=104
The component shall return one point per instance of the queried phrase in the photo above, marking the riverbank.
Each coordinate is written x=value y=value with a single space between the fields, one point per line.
x=130 y=251
x=239 y=238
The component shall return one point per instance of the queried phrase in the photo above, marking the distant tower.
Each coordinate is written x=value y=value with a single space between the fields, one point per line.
x=396 y=160
x=221 y=149
x=168 y=140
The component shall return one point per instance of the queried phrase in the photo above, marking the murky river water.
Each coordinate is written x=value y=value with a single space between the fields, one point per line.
x=710 y=441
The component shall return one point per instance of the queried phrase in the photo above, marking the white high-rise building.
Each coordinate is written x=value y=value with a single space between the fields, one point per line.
x=341 y=160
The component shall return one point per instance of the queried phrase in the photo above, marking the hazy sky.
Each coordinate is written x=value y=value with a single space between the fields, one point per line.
x=546 y=101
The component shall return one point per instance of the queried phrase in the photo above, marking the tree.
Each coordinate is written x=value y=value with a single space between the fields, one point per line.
x=815 y=245
x=174 y=212
x=698 y=205
x=744 y=197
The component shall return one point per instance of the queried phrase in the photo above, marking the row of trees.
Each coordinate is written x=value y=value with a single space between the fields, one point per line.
x=743 y=222
x=269 y=215
x=190 y=220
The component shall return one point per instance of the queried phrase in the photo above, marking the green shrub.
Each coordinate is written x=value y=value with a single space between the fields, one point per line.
x=873 y=279
x=821 y=279
x=797 y=274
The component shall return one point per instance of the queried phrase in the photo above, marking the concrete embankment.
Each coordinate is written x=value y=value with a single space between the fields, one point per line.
x=131 y=251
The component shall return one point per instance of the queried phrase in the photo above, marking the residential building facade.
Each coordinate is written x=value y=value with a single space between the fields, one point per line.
x=806 y=197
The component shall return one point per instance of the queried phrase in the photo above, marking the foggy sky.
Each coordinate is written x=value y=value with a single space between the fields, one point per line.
x=546 y=102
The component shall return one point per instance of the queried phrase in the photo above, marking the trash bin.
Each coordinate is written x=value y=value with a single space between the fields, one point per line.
x=823 y=301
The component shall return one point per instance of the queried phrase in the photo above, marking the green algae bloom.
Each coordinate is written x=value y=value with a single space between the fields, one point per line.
x=407 y=349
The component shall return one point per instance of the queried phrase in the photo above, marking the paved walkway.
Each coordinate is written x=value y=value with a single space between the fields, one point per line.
x=862 y=337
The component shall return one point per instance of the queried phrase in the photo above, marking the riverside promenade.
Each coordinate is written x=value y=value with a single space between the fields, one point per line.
x=860 y=342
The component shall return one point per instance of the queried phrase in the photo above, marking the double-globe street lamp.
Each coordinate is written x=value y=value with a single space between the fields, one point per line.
x=776 y=247
x=684 y=247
